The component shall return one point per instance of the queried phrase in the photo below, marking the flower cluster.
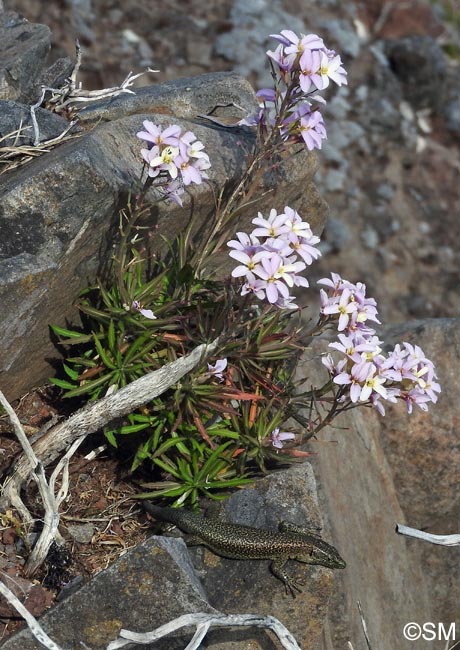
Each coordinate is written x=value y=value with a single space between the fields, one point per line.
x=301 y=66
x=176 y=155
x=269 y=256
x=370 y=375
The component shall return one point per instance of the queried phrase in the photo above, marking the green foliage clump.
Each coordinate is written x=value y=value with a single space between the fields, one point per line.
x=205 y=434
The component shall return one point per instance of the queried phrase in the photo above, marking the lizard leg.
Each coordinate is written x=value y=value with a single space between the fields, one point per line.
x=277 y=568
x=287 y=527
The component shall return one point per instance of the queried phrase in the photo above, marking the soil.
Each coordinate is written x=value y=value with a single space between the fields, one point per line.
x=410 y=267
x=99 y=521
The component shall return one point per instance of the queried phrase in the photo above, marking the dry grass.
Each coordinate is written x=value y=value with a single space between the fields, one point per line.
x=16 y=155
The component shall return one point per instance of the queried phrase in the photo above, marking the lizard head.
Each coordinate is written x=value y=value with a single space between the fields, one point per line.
x=326 y=555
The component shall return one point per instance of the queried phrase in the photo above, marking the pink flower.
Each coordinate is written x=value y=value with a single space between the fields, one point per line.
x=344 y=307
x=278 y=437
x=309 y=64
x=147 y=313
x=155 y=135
x=269 y=272
x=271 y=227
x=218 y=368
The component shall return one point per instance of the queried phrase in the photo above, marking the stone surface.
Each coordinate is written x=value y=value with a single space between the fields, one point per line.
x=187 y=97
x=82 y=533
x=424 y=454
x=14 y=115
x=248 y=586
x=160 y=571
x=375 y=472
x=149 y=586
x=31 y=594
x=24 y=49
x=419 y=63
x=251 y=24
x=57 y=213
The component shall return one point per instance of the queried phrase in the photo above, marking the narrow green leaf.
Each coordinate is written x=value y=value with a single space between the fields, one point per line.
x=171 y=442
x=88 y=386
x=132 y=428
x=70 y=372
x=61 y=331
x=102 y=353
x=167 y=467
x=110 y=435
x=111 y=339
x=66 y=385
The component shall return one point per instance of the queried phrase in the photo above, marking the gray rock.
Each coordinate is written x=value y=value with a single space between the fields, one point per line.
x=451 y=111
x=147 y=587
x=339 y=106
x=334 y=180
x=344 y=34
x=15 y=116
x=423 y=452
x=56 y=74
x=337 y=233
x=248 y=586
x=342 y=134
x=385 y=191
x=384 y=115
x=82 y=16
x=420 y=65
x=82 y=533
x=370 y=237
x=245 y=43
x=56 y=213
x=185 y=97
x=24 y=48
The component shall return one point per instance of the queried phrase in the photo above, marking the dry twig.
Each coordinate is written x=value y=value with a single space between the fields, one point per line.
x=32 y=623
x=443 y=540
x=51 y=501
x=203 y=623
x=71 y=94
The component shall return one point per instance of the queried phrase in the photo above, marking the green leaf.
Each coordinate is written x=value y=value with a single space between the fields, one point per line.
x=214 y=458
x=88 y=386
x=111 y=339
x=102 y=353
x=167 y=467
x=132 y=428
x=171 y=442
x=66 y=385
x=167 y=492
x=70 y=372
x=61 y=331
x=110 y=435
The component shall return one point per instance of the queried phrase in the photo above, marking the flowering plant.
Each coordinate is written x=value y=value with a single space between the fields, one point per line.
x=221 y=424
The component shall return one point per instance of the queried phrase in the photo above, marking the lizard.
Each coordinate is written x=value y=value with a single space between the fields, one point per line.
x=240 y=542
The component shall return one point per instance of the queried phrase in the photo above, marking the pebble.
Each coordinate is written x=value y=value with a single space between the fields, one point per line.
x=370 y=238
x=82 y=533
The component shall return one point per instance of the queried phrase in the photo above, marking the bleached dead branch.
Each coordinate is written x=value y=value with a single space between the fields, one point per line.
x=71 y=93
x=95 y=415
x=32 y=623
x=51 y=501
x=364 y=625
x=203 y=622
x=443 y=540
